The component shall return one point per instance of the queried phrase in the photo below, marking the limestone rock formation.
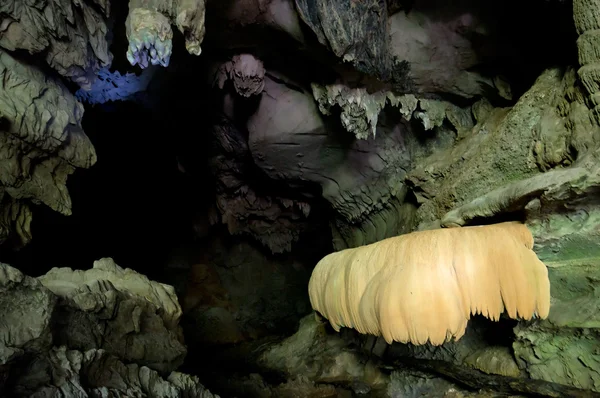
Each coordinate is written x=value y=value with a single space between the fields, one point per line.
x=497 y=151
x=298 y=355
x=149 y=29
x=355 y=32
x=70 y=35
x=441 y=54
x=274 y=220
x=41 y=143
x=95 y=373
x=119 y=311
x=565 y=228
x=360 y=109
x=433 y=47
x=361 y=179
x=586 y=15
x=26 y=312
x=102 y=332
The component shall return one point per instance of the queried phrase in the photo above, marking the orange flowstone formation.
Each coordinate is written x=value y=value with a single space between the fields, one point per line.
x=424 y=286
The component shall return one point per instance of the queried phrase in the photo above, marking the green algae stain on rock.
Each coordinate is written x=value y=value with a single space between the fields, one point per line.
x=565 y=348
x=565 y=356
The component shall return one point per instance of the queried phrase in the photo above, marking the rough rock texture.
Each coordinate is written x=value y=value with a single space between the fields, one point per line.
x=69 y=34
x=246 y=72
x=26 y=310
x=95 y=373
x=564 y=347
x=438 y=41
x=494 y=360
x=320 y=357
x=47 y=320
x=15 y=220
x=523 y=194
x=563 y=136
x=41 y=143
x=412 y=383
x=561 y=208
x=586 y=14
x=254 y=385
x=150 y=37
x=355 y=32
x=475 y=350
x=119 y=311
x=434 y=48
x=380 y=146
x=360 y=110
x=538 y=158
x=243 y=204
x=149 y=29
x=361 y=179
x=498 y=151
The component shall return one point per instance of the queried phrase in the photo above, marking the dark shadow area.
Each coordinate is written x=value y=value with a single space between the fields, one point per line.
x=529 y=37
x=518 y=215
x=132 y=205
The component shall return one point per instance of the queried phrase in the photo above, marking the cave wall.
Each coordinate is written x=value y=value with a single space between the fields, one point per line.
x=225 y=147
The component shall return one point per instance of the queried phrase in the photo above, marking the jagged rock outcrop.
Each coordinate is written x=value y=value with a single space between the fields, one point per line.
x=149 y=30
x=403 y=152
x=316 y=356
x=41 y=143
x=524 y=194
x=102 y=332
x=26 y=311
x=96 y=373
x=354 y=32
x=70 y=35
x=498 y=151
x=120 y=311
x=292 y=144
x=311 y=360
x=360 y=110
x=586 y=15
x=432 y=47
x=541 y=156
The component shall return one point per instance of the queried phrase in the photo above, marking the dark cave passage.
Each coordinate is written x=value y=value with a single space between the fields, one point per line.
x=134 y=205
